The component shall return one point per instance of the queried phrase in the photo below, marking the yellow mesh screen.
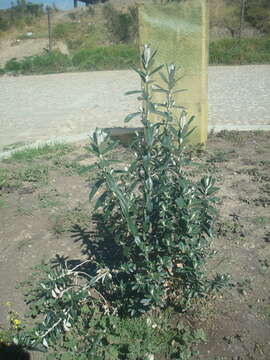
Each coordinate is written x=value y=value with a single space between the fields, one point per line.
x=180 y=33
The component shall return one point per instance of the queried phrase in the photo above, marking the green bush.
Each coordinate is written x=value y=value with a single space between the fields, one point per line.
x=78 y=323
x=99 y=58
x=258 y=14
x=106 y=58
x=153 y=228
x=154 y=220
x=122 y=26
x=13 y=65
x=49 y=62
x=240 y=51
x=63 y=30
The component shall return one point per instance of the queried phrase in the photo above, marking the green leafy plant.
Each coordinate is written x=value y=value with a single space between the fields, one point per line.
x=78 y=323
x=153 y=226
x=48 y=62
x=157 y=220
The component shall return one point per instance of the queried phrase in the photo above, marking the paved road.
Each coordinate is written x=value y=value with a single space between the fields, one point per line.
x=40 y=107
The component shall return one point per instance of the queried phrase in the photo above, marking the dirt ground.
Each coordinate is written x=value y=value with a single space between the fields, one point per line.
x=43 y=198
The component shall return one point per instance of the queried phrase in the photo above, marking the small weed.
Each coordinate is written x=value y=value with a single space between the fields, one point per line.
x=23 y=243
x=3 y=204
x=72 y=166
x=9 y=180
x=218 y=157
x=4 y=175
x=22 y=211
x=264 y=265
x=262 y=201
x=260 y=220
x=49 y=199
x=259 y=201
x=35 y=174
x=230 y=228
x=243 y=286
x=197 y=169
x=255 y=174
x=45 y=152
x=266 y=188
x=265 y=311
x=234 y=137
x=264 y=163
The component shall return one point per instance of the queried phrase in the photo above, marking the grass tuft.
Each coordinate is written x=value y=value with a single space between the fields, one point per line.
x=47 y=152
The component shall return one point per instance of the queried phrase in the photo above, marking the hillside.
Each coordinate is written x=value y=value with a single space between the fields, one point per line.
x=106 y=25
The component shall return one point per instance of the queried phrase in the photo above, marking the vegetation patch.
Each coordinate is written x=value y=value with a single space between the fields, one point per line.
x=49 y=62
x=240 y=51
x=106 y=58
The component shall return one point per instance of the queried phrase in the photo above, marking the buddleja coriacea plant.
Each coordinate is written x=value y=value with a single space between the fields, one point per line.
x=157 y=221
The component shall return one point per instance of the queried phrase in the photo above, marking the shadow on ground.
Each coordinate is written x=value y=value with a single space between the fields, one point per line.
x=13 y=352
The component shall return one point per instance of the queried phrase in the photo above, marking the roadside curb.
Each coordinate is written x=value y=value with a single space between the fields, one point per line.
x=118 y=132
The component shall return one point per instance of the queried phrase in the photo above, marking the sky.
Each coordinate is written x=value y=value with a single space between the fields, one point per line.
x=61 y=4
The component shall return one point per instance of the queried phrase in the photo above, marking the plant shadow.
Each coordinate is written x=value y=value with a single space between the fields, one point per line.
x=13 y=352
x=98 y=244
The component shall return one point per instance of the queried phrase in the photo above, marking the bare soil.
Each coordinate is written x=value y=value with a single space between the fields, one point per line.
x=44 y=199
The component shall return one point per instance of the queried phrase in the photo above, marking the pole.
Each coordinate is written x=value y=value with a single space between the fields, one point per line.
x=242 y=17
x=49 y=28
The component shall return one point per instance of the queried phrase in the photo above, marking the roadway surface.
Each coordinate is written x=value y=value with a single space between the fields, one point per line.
x=70 y=105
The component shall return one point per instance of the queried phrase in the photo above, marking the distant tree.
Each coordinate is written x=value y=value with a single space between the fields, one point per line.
x=225 y=13
x=258 y=14
x=20 y=13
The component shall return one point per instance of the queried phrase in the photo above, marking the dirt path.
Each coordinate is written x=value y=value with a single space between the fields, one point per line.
x=40 y=107
x=19 y=49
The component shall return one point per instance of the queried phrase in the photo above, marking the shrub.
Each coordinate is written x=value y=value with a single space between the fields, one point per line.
x=240 y=51
x=258 y=14
x=63 y=30
x=122 y=26
x=13 y=65
x=106 y=58
x=154 y=220
x=154 y=229
x=49 y=62
x=78 y=323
